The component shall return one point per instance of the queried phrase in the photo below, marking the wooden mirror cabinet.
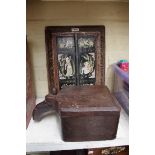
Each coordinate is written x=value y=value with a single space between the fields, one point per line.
x=75 y=56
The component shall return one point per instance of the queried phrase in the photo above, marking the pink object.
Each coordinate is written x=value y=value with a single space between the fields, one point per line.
x=124 y=66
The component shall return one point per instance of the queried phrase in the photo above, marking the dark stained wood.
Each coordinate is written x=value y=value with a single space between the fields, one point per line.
x=84 y=99
x=69 y=152
x=30 y=93
x=86 y=112
x=43 y=109
x=125 y=152
x=55 y=66
x=118 y=150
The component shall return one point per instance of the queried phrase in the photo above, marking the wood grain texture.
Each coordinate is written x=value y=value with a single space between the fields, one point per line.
x=30 y=93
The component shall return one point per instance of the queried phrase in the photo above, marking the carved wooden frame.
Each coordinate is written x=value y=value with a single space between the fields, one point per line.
x=51 y=55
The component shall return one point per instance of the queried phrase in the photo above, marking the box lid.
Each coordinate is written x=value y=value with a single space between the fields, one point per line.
x=85 y=99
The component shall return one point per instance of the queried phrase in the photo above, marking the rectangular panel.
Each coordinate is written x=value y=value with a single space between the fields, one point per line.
x=87 y=58
x=66 y=60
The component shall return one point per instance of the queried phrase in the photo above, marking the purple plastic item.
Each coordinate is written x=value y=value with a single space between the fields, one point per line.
x=121 y=87
x=123 y=75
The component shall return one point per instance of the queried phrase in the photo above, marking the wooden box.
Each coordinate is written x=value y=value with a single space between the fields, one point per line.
x=87 y=113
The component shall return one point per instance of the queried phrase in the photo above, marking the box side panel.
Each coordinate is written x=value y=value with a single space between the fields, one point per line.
x=90 y=128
